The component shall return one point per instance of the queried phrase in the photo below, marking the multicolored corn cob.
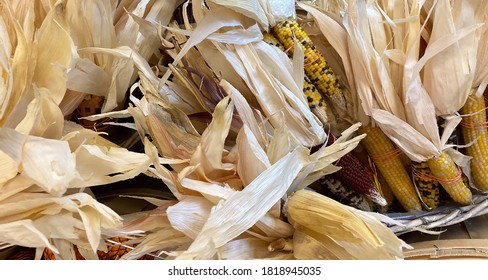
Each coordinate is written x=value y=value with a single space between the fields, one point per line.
x=449 y=175
x=474 y=130
x=428 y=188
x=385 y=156
x=272 y=40
x=343 y=194
x=316 y=68
x=315 y=100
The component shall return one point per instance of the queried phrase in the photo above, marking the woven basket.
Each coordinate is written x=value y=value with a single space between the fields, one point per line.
x=443 y=216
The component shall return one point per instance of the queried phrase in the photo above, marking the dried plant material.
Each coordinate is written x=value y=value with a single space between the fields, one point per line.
x=246 y=113
x=306 y=247
x=253 y=160
x=448 y=75
x=163 y=240
x=336 y=35
x=43 y=117
x=189 y=215
x=31 y=154
x=6 y=74
x=112 y=164
x=243 y=209
x=208 y=154
x=346 y=232
x=8 y=168
x=253 y=9
x=29 y=218
x=481 y=72
x=248 y=249
x=55 y=56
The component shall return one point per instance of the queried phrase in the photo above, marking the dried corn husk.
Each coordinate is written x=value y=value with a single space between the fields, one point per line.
x=47 y=161
x=346 y=232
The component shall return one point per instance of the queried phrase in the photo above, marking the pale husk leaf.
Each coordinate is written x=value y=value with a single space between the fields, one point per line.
x=246 y=113
x=208 y=154
x=8 y=169
x=253 y=159
x=252 y=9
x=55 y=52
x=189 y=215
x=33 y=152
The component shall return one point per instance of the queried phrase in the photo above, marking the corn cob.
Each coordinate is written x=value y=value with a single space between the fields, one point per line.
x=474 y=128
x=337 y=190
x=391 y=167
x=384 y=189
x=357 y=176
x=114 y=252
x=450 y=177
x=315 y=100
x=428 y=188
x=316 y=68
x=272 y=40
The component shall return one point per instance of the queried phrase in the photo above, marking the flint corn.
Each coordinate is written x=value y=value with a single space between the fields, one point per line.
x=315 y=100
x=316 y=67
x=391 y=167
x=473 y=128
x=428 y=188
x=446 y=171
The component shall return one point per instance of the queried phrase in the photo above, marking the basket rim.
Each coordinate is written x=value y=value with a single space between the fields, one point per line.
x=447 y=215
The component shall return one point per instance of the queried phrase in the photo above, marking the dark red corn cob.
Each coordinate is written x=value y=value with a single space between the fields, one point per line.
x=357 y=176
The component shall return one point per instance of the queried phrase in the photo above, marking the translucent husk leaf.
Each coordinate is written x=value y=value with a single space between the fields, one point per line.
x=23 y=65
x=24 y=233
x=87 y=77
x=6 y=71
x=212 y=22
x=406 y=137
x=481 y=72
x=103 y=165
x=347 y=233
x=15 y=185
x=367 y=40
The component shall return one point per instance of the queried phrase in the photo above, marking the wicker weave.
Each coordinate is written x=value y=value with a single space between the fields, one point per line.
x=441 y=217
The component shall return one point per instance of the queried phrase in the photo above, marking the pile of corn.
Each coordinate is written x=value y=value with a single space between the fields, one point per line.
x=276 y=129
x=415 y=185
